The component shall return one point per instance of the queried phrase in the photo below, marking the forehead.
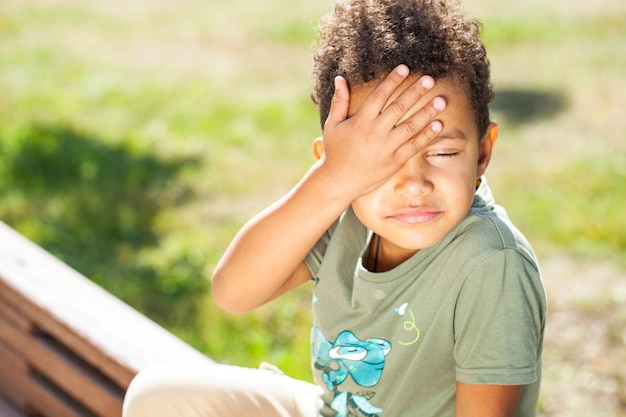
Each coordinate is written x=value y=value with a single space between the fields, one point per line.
x=458 y=109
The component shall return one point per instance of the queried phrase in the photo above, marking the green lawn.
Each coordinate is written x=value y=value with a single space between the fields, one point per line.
x=137 y=138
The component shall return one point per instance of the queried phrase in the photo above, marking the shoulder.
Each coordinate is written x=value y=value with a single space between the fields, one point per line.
x=342 y=241
x=488 y=231
x=500 y=262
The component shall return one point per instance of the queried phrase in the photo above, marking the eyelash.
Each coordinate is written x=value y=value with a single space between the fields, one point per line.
x=446 y=154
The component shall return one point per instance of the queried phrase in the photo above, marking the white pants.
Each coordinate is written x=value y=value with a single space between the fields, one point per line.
x=213 y=390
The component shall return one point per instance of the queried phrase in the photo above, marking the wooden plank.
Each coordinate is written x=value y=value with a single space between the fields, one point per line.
x=88 y=388
x=105 y=332
x=7 y=410
x=11 y=314
x=61 y=366
x=73 y=338
x=27 y=393
x=10 y=358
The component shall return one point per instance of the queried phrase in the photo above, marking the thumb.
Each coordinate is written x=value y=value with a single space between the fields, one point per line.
x=340 y=103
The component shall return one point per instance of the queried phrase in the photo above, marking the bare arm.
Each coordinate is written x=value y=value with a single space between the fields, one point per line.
x=481 y=400
x=266 y=258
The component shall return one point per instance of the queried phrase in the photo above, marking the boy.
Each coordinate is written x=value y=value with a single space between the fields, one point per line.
x=427 y=301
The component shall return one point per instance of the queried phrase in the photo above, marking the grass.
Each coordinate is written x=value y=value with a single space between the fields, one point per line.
x=137 y=138
x=582 y=204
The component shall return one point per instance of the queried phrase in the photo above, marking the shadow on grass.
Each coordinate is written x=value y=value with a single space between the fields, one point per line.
x=519 y=106
x=94 y=206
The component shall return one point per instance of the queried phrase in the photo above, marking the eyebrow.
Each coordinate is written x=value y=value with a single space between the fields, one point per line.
x=451 y=134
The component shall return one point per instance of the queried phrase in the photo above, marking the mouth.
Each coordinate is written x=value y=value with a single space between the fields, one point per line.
x=417 y=215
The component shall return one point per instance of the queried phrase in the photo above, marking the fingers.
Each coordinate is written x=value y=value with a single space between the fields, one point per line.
x=417 y=142
x=418 y=120
x=378 y=104
x=393 y=120
x=340 y=103
x=399 y=109
x=414 y=129
x=379 y=97
x=393 y=106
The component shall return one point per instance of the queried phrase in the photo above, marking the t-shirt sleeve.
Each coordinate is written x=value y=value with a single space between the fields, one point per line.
x=316 y=255
x=499 y=321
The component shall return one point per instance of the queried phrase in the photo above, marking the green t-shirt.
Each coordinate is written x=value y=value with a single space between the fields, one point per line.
x=470 y=308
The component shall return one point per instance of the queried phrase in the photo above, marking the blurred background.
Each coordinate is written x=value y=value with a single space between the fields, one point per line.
x=137 y=137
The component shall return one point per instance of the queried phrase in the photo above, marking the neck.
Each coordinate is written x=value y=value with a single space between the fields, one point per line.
x=381 y=258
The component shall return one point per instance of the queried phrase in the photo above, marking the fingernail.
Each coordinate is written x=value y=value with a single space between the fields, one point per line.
x=439 y=103
x=436 y=126
x=427 y=82
x=336 y=82
x=402 y=70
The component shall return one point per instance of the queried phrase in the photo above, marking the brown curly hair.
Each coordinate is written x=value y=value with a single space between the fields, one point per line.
x=363 y=40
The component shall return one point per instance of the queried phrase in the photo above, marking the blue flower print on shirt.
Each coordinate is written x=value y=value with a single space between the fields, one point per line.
x=363 y=360
x=344 y=402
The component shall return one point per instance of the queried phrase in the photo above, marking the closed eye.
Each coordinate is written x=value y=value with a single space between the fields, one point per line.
x=445 y=154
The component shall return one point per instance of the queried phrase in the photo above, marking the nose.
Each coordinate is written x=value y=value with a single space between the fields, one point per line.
x=413 y=179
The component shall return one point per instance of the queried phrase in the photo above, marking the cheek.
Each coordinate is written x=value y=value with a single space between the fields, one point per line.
x=466 y=171
x=465 y=192
x=460 y=185
x=365 y=208
x=359 y=206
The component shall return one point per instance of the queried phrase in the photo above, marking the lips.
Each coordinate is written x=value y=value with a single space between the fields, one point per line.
x=417 y=215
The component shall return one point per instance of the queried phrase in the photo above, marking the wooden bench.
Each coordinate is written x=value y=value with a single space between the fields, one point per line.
x=67 y=347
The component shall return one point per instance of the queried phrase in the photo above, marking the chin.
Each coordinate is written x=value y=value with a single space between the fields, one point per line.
x=413 y=244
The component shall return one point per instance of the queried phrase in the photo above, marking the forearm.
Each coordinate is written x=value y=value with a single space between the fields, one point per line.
x=271 y=247
x=482 y=400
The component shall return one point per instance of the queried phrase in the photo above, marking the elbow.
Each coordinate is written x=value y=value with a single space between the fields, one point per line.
x=229 y=304
x=228 y=298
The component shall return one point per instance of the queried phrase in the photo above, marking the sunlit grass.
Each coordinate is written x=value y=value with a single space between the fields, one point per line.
x=580 y=208
x=546 y=29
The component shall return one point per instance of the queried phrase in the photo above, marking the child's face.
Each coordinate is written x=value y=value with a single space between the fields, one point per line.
x=434 y=190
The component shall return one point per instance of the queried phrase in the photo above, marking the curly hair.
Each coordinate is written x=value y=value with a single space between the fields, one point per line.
x=363 y=40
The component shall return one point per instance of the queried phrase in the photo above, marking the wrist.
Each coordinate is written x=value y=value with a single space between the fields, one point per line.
x=330 y=186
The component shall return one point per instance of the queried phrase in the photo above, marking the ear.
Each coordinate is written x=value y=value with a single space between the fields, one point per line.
x=318 y=147
x=485 y=148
